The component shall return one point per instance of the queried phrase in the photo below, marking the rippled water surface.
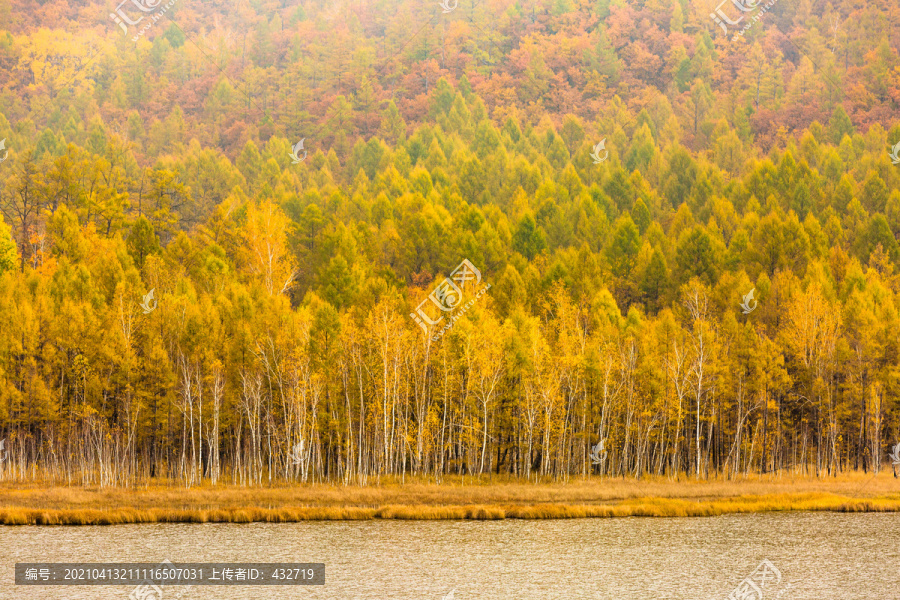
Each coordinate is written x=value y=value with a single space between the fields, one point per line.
x=819 y=555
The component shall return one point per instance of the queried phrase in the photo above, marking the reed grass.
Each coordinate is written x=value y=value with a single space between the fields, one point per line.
x=453 y=499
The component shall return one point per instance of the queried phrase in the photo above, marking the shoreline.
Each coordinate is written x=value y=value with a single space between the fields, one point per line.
x=453 y=499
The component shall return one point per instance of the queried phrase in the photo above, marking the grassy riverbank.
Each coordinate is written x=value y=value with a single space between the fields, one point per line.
x=454 y=498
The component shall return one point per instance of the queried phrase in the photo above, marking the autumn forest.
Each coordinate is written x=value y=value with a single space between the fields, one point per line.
x=228 y=241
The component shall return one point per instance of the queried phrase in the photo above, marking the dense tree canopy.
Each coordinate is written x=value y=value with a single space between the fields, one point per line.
x=279 y=342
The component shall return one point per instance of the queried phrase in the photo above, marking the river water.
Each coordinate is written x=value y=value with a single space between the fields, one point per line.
x=817 y=555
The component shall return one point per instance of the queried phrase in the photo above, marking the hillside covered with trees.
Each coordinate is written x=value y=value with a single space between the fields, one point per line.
x=690 y=240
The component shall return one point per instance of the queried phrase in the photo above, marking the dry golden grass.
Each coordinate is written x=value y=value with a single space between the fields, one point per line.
x=455 y=498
